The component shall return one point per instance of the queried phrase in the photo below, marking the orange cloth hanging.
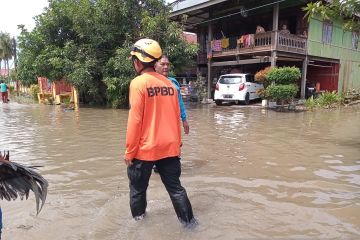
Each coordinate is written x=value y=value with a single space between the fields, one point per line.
x=225 y=43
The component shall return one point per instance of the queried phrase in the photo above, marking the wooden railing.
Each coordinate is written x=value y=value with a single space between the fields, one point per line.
x=291 y=43
x=263 y=39
x=266 y=42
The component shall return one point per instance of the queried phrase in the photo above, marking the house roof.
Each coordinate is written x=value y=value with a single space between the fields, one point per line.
x=203 y=11
x=190 y=37
x=184 y=6
x=3 y=72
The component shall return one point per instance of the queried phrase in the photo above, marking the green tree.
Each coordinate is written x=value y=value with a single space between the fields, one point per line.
x=6 y=50
x=347 y=10
x=88 y=42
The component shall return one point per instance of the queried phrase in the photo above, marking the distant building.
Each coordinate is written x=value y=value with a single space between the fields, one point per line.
x=4 y=72
x=190 y=37
x=229 y=41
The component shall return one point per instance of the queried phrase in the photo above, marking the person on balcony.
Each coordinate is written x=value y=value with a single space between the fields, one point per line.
x=304 y=34
x=284 y=29
x=259 y=29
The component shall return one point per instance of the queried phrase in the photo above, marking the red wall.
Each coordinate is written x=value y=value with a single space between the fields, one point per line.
x=60 y=86
x=328 y=77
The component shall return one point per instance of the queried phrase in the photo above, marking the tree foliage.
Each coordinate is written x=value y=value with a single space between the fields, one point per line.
x=262 y=76
x=282 y=92
x=88 y=42
x=6 y=50
x=347 y=10
x=283 y=75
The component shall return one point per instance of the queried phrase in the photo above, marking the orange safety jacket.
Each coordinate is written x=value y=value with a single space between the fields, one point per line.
x=153 y=130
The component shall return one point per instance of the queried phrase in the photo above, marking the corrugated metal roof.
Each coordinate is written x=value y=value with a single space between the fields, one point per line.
x=180 y=7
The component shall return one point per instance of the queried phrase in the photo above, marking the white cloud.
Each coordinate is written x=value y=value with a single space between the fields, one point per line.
x=16 y=12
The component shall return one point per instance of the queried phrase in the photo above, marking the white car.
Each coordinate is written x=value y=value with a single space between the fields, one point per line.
x=237 y=87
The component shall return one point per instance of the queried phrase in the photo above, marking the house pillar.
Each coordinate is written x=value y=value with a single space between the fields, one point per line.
x=275 y=29
x=273 y=58
x=303 y=77
x=210 y=36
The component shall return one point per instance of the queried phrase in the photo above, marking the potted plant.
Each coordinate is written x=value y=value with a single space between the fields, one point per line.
x=261 y=77
x=283 y=88
x=283 y=93
x=264 y=95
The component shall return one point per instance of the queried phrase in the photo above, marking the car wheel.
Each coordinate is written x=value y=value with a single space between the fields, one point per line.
x=247 y=99
x=218 y=102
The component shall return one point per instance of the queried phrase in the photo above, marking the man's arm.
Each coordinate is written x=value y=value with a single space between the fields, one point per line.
x=133 y=132
x=182 y=106
x=183 y=114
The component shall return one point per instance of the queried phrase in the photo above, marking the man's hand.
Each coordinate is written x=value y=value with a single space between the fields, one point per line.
x=186 y=127
x=128 y=162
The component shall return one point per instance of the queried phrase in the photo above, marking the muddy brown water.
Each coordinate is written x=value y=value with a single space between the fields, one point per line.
x=249 y=173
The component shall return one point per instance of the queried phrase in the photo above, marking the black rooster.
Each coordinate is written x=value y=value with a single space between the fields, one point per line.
x=17 y=180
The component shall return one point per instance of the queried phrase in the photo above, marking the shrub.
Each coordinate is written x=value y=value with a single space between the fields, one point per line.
x=261 y=76
x=311 y=103
x=284 y=75
x=67 y=101
x=34 y=90
x=329 y=99
x=262 y=93
x=201 y=88
x=282 y=92
x=351 y=95
x=11 y=89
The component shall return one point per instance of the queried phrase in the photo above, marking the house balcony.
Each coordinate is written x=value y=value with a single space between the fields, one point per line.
x=253 y=44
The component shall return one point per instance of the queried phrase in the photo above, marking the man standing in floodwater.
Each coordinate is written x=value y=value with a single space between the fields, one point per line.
x=3 y=91
x=162 y=66
x=153 y=134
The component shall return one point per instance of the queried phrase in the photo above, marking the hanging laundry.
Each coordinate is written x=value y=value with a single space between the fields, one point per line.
x=217 y=46
x=232 y=42
x=240 y=42
x=246 y=40
x=225 y=43
x=252 y=40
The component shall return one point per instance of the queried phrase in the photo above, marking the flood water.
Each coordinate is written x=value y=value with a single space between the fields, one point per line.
x=250 y=173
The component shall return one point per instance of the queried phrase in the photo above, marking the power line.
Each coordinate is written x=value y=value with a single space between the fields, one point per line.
x=242 y=11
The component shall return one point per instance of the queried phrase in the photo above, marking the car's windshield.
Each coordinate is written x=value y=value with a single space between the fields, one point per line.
x=231 y=79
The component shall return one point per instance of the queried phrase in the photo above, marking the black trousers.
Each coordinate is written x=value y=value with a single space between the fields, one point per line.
x=170 y=170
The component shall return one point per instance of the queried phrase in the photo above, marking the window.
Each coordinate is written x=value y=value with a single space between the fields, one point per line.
x=250 y=78
x=355 y=40
x=230 y=80
x=327 y=32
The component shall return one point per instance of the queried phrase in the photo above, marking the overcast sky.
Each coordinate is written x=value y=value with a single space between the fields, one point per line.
x=15 y=12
